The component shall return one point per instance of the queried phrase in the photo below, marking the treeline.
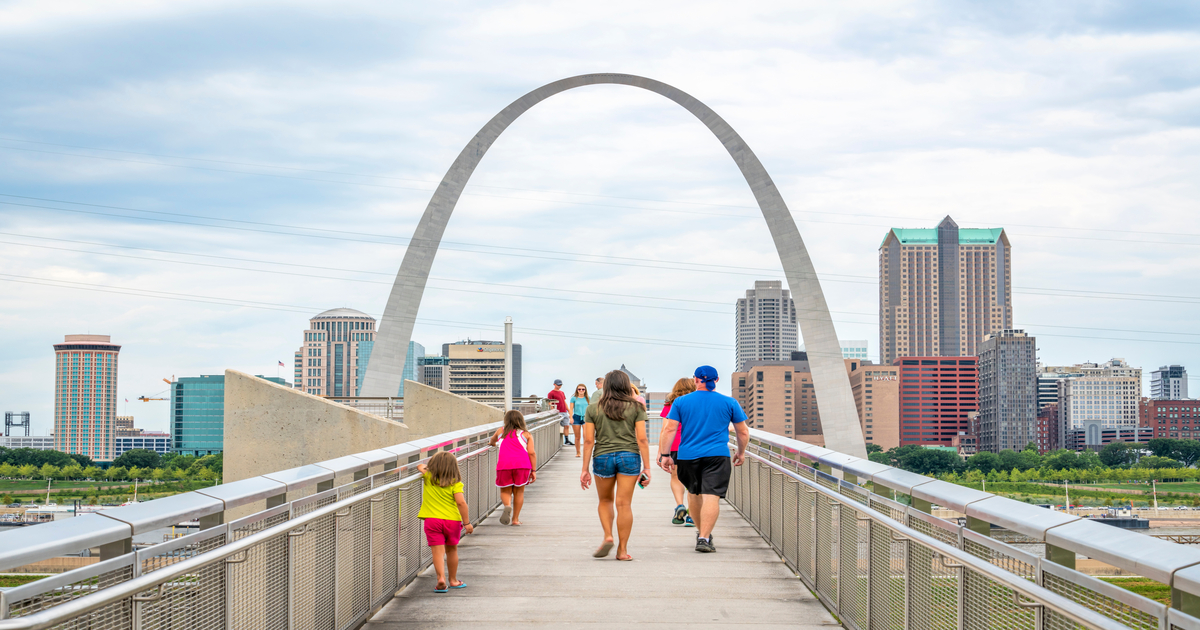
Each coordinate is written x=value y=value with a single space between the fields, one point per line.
x=1163 y=459
x=138 y=464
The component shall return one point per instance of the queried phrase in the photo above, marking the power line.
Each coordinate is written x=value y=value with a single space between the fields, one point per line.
x=533 y=190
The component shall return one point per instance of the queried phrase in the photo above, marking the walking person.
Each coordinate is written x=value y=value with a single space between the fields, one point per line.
x=617 y=451
x=444 y=515
x=579 y=405
x=599 y=390
x=516 y=465
x=683 y=387
x=703 y=463
x=560 y=405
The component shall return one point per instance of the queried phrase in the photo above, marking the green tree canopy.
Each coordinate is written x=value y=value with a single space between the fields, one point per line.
x=83 y=460
x=874 y=448
x=983 y=461
x=1119 y=454
x=1154 y=461
x=139 y=457
x=929 y=461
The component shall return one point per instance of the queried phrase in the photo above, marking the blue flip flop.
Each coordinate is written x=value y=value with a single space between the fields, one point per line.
x=460 y=585
x=440 y=590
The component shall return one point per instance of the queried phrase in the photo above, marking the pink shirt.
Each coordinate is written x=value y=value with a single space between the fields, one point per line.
x=678 y=430
x=514 y=453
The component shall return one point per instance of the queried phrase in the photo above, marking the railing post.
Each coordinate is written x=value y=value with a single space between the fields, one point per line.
x=982 y=528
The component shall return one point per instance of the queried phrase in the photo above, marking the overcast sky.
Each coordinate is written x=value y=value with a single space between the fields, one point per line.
x=197 y=179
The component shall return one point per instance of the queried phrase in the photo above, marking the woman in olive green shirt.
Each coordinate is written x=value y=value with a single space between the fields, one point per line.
x=617 y=452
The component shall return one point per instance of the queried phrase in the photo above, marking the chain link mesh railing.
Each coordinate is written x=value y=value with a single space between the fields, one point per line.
x=321 y=562
x=882 y=565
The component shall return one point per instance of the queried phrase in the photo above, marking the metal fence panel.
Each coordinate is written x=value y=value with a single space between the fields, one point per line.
x=826 y=548
x=853 y=573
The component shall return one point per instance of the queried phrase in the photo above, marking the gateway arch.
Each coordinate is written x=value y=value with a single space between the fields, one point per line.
x=838 y=412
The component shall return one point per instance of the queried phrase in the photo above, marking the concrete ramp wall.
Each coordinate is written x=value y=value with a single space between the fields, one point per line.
x=271 y=427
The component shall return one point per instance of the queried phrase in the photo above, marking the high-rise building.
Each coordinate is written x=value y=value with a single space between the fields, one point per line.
x=942 y=290
x=766 y=324
x=1169 y=382
x=198 y=413
x=1170 y=418
x=1048 y=430
x=125 y=428
x=435 y=371
x=85 y=395
x=1106 y=396
x=876 y=391
x=938 y=396
x=1048 y=377
x=851 y=349
x=1007 y=391
x=336 y=347
x=476 y=370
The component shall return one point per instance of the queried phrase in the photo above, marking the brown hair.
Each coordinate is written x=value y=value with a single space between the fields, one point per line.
x=683 y=387
x=618 y=395
x=443 y=469
x=585 y=391
x=513 y=421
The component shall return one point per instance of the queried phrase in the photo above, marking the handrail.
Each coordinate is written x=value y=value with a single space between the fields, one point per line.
x=68 y=610
x=1060 y=604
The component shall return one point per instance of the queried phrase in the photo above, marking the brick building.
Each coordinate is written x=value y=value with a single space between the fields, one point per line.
x=1048 y=430
x=937 y=396
x=1170 y=418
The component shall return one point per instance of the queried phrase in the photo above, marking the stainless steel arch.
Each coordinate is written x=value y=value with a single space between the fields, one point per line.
x=838 y=413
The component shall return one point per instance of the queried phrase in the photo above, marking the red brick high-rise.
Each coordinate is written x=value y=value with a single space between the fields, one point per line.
x=937 y=395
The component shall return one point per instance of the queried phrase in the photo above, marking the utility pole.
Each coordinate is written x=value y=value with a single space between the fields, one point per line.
x=1067 y=491
x=508 y=366
x=1154 y=491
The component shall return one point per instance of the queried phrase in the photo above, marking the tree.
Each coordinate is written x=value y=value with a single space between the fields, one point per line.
x=137 y=473
x=214 y=463
x=139 y=457
x=92 y=472
x=1187 y=452
x=115 y=473
x=8 y=470
x=1119 y=454
x=879 y=457
x=1154 y=461
x=928 y=461
x=27 y=471
x=48 y=471
x=983 y=461
x=874 y=448
x=71 y=472
x=83 y=460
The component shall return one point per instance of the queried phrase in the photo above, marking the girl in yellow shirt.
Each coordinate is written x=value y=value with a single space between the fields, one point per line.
x=444 y=512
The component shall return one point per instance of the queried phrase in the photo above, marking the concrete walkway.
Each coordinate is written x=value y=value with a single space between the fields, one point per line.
x=542 y=574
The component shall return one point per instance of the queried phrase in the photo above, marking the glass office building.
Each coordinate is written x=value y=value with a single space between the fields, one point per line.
x=198 y=413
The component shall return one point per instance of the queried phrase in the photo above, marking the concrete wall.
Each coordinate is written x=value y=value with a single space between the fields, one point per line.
x=270 y=427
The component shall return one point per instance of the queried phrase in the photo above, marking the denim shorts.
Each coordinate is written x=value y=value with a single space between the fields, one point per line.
x=610 y=465
x=578 y=419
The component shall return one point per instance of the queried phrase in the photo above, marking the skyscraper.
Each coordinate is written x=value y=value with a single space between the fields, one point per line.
x=336 y=342
x=942 y=290
x=1169 y=382
x=476 y=370
x=1007 y=391
x=198 y=413
x=938 y=396
x=766 y=324
x=85 y=395
x=1104 y=397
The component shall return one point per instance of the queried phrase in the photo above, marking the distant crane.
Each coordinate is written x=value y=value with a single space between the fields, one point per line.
x=148 y=399
x=168 y=381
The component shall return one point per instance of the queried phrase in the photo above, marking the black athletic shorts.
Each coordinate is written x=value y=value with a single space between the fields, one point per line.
x=706 y=475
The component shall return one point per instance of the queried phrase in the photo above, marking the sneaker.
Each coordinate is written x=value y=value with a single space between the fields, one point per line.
x=687 y=522
x=680 y=514
x=704 y=546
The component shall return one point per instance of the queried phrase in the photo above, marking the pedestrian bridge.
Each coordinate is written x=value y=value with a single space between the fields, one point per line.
x=809 y=537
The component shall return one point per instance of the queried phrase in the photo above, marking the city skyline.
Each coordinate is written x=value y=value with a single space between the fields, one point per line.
x=297 y=210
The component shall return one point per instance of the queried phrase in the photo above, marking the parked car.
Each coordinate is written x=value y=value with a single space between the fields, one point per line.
x=14 y=505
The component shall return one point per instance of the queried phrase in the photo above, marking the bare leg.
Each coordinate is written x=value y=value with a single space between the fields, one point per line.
x=704 y=508
x=578 y=428
x=439 y=565
x=624 y=501
x=506 y=495
x=604 y=490
x=518 y=500
x=452 y=564
x=677 y=489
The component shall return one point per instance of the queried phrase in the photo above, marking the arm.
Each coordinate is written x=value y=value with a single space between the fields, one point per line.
x=589 y=443
x=743 y=439
x=573 y=405
x=421 y=468
x=495 y=437
x=665 y=439
x=644 y=449
x=532 y=457
x=464 y=511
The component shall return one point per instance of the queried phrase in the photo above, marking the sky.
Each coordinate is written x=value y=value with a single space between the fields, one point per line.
x=198 y=179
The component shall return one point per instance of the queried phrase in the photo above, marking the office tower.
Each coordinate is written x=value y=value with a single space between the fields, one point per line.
x=476 y=370
x=851 y=349
x=778 y=397
x=1048 y=430
x=1007 y=391
x=766 y=324
x=942 y=290
x=938 y=396
x=124 y=427
x=336 y=347
x=1048 y=377
x=198 y=413
x=434 y=371
x=1169 y=382
x=157 y=441
x=85 y=395
x=1105 y=396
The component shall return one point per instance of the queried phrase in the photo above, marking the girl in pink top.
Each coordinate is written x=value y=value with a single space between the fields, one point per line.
x=683 y=387
x=516 y=465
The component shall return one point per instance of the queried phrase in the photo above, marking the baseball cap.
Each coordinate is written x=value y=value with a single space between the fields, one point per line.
x=558 y=381
x=708 y=374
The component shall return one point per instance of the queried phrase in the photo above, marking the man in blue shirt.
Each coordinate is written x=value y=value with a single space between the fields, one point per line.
x=704 y=465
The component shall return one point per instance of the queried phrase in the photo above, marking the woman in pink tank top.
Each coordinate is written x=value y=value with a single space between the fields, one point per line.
x=515 y=466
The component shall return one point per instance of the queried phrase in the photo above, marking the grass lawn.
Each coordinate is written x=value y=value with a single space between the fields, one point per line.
x=1191 y=487
x=17 y=580
x=1149 y=589
x=34 y=485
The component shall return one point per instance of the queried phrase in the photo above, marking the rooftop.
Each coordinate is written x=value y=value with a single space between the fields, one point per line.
x=343 y=313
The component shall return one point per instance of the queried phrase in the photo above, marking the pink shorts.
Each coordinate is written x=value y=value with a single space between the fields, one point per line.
x=512 y=477
x=439 y=531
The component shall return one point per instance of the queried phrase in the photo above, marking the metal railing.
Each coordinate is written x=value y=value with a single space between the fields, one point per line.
x=324 y=560
x=392 y=408
x=879 y=563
